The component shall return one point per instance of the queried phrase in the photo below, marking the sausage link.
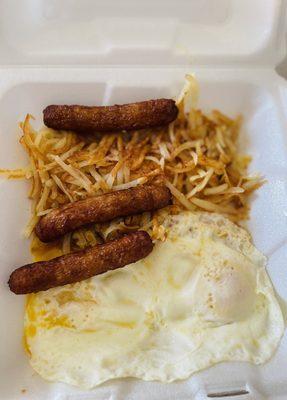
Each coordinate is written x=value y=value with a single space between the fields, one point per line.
x=81 y=265
x=145 y=114
x=100 y=209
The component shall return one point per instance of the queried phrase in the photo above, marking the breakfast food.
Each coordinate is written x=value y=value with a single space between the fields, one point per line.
x=102 y=208
x=202 y=296
x=145 y=114
x=80 y=265
x=196 y=157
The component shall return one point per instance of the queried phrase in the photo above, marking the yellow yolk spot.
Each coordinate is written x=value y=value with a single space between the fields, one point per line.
x=52 y=321
x=45 y=251
x=30 y=331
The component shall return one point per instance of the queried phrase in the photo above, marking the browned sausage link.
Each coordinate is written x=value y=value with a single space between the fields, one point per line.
x=101 y=208
x=145 y=114
x=80 y=265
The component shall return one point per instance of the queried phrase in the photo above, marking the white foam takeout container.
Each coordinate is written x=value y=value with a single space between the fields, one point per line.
x=107 y=52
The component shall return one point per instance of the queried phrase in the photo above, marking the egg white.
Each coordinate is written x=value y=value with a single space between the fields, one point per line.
x=201 y=297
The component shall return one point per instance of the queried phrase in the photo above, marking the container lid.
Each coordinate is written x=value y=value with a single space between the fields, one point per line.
x=149 y=32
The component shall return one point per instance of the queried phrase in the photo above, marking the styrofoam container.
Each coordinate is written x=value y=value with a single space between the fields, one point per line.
x=106 y=52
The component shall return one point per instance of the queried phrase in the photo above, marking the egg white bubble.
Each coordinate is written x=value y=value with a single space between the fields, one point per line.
x=201 y=297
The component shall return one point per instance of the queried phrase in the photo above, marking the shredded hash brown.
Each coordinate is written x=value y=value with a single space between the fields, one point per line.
x=196 y=156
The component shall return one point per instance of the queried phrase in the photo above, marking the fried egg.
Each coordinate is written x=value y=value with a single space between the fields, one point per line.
x=201 y=297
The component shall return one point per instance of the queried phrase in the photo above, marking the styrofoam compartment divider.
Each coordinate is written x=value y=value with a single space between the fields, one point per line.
x=253 y=90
